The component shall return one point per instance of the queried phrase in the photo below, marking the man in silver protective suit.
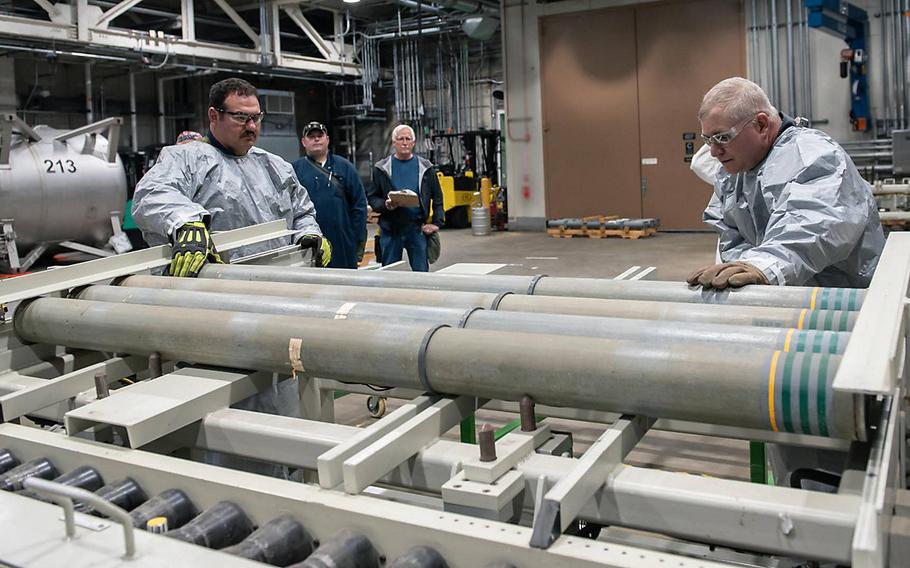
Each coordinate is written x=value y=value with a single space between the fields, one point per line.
x=790 y=209
x=224 y=182
x=789 y=206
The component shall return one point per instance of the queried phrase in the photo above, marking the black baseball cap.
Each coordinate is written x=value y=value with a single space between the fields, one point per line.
x=311 y=126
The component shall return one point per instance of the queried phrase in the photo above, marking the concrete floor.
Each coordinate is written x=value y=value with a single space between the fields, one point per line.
x=674 y=255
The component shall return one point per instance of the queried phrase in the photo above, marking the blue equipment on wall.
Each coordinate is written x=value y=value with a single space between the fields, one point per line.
x=846 y=21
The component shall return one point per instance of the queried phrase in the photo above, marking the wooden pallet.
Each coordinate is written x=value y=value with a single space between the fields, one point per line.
x=625 y=233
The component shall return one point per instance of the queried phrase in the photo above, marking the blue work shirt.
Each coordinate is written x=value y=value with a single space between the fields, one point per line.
x=342 y=218
x=406 y=175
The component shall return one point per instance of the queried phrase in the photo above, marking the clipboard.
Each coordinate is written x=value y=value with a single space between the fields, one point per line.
x=406 y=198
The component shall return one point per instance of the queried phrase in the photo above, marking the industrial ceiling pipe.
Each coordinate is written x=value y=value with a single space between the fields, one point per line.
x=541 y=285
x=474 y=318
x=750 y=388
x=834 y=320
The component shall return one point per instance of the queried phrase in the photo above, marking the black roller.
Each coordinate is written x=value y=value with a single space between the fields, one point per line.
x=420 y=557
x=125 y=493
x=279 y=542
x=172 y=504
x=83 y=477
x=7 y=460
x=13 y=479
x=344 y=549
x=222 y=524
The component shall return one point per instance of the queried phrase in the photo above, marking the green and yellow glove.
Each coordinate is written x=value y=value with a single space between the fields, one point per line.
x=192 y=248
x=321 y=247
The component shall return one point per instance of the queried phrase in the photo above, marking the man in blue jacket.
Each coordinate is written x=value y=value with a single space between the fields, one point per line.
x=335 y=188
x=406 y=227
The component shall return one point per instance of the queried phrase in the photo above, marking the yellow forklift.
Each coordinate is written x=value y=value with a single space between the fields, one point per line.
x=464 y=159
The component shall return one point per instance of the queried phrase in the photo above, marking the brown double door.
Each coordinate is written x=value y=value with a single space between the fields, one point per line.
x=620 y=89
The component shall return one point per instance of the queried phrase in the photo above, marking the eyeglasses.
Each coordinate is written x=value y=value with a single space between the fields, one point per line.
x=242 y=117
x=724 y=138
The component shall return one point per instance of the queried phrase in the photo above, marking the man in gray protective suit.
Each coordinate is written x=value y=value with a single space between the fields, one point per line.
x=789 y=206
x=223 y=182
x=220 y=183
x=791 y=210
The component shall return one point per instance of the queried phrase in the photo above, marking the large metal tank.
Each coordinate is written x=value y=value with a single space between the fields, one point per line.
x=60 y=185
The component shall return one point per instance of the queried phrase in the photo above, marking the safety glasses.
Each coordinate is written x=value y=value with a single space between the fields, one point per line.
x=724 y=138
x=242 y=117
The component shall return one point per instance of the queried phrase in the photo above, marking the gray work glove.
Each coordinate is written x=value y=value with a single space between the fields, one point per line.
x=732 y=274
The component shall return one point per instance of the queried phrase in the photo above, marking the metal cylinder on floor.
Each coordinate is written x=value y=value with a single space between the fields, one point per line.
x=752 y=388
x=732 y=315
x=813 y=298
x=557 y=324
x=480 y=221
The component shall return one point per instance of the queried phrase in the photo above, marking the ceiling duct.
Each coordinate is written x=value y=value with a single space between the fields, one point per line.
x=467 y=6
x=480 y=27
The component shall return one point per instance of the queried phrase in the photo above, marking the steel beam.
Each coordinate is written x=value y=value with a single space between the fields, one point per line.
x=331 y=464
x=28 y=28
x=151 y=409
x=562 y=504
x=51 y=391
x=50 y=281
x=870 y=540
x=872 y=362
x=390 y=451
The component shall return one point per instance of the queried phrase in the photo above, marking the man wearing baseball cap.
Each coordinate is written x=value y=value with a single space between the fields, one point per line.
x=337 y=192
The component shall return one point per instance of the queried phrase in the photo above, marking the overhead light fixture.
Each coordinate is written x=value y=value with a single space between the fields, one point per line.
x=351 y=1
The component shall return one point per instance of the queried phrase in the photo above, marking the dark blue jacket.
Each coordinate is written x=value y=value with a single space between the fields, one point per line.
x=343 y=220
x=429 y=191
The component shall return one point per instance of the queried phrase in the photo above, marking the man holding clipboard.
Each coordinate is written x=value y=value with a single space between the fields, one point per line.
x=404 y=191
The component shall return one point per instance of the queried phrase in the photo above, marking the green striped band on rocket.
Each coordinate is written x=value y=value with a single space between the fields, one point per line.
x=813 y=341
x=799 y=398
x=850 y=299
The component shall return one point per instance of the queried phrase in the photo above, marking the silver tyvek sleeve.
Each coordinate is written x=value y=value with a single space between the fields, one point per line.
x=304 y=210
x=730 y=242
x=162 y=200
x=816 y=221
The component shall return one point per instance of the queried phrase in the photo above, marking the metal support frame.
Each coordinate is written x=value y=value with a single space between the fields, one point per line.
x=149 y=410
x=90 y=30
x=566 y=499
x=328 y=50
x=330 y=464
x=734 y=513
x=235 y=17
x=47 y=392
x=50 y=281
x=7 y=121
x=369 y=464
x=871 y=362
